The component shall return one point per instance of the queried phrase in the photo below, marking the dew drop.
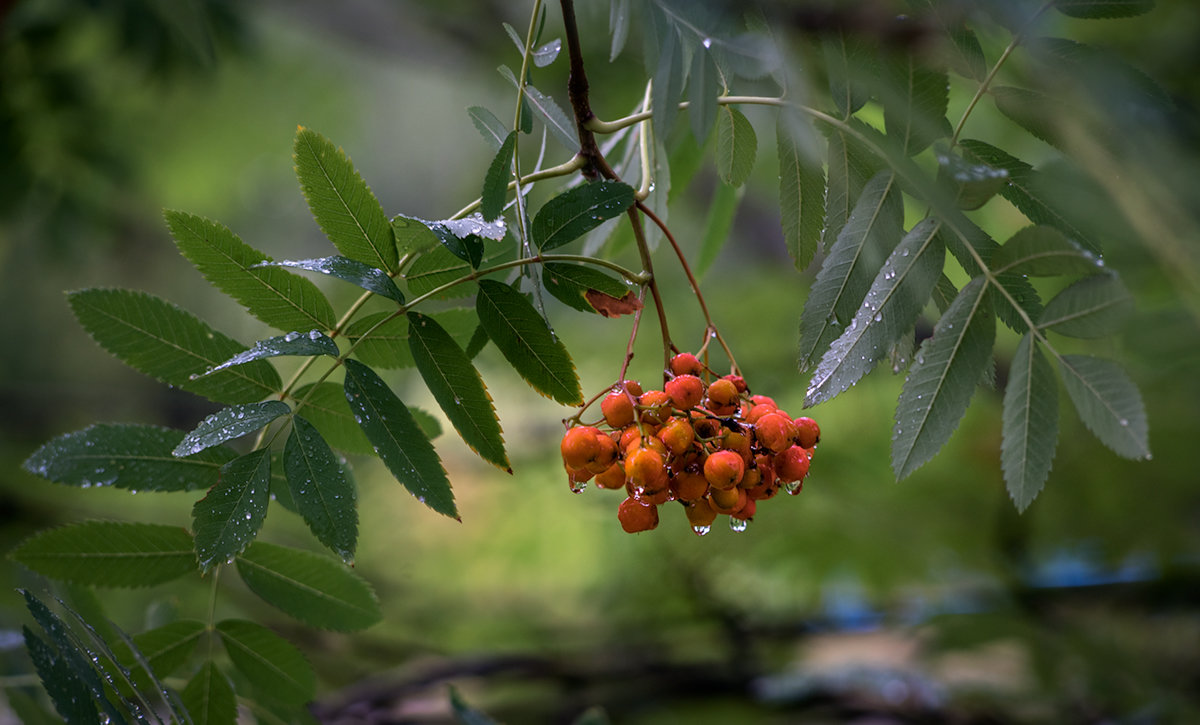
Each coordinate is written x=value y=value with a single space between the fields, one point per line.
x=878 y=317
x=707 y=42
x=737 y=525
x=1124 y=422
x=291 y=336
x=793 y=487
x=578 y=486
x=701 y=530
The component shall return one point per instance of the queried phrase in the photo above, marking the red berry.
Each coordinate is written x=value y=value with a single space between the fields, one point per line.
x=636 y=515
x=685 y=390
x=580 y=446
x=809 y=432
x=724 y=469
x=792 y=464
x=686 y=363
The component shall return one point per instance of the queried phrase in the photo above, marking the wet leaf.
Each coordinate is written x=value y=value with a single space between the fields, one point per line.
x=412 y=235
x=1108 y=402
x=495 y=183
x=209 y=697
x=312 y=588
x=324 y=497
x=359 y=274
x=229 y=517
x=973 y=184
x=109 y=553
x=268 y=661
x=229 y=423
x=1094 y=306
x=570 y=283
x=305 y=344
x=326 y=408
x=1043 y=251
x=577 y=211
x=1030 y=432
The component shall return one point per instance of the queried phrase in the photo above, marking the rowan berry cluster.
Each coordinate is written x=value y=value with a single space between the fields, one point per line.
x=712 y=447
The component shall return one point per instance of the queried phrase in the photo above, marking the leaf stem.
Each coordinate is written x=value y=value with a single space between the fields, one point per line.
x=598 y=126
x=564 y=169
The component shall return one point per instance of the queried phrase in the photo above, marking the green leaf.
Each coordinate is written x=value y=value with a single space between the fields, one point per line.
x=891 y=307
x=947 y=369
x=973 y=184
x=168 y=647
x=229 y=423
x=1043 y=251
x=342 y=203
x=387 y=345
x=281 y=299
x=668 y=77
x=229 y=517
x=1022 y=191
x=964 y=236
x=914 y=98
x=801 y=195
x=159 y=339
x=862 y=246
x=618 y=27
x=412 y=235
x=1034 y=111
x=527 y=342
x=704 y=85
x=580 y=286
x=326 y=408
x=1094 y=306
x=397 y=439
x=561 y=127
x=136 y=457
x=435 y=268
x=495 y=183
x=490 y=128
x=458 y=388
x=1108 y=402
x=1103 y=8
x=109 y=554
x=209 y=697
x=1030 y=432
x=359 y=274
x=577 y=211
x=323 y=495
x=269 y=662
x=312 y=588
x=27 y=708
x=721 y=211
x=849 y=61
x=547 y=53
x=737 y=146
x=310 y=343
x=72 y=698
x=850 y=167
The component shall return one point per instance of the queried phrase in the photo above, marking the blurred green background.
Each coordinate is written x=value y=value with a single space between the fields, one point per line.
x=860 y=596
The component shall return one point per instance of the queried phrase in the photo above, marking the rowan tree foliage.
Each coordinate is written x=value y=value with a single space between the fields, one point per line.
x=880 y=186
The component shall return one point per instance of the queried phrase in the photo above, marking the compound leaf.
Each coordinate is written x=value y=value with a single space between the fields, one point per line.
x=209 y=697
x=947 y=369
x=342 y=203
x=801 y=196
x=457 y=387
x=168 y=647
x=1094 y=306
x=526 y=341
x=359 y=274
x=737 y=146
x=891 y=307
x=412 y=235
x=163 y=341
x=850 y=167
x=323 y=495
x=281 y=299
x=397 y=438
x=109 y=553
x=72 y=698
x=490 y=128
x=229 y=423
x=1108 y=402
x=309 y=587
x=136 y=457
x=914 y=103
x=495 y=183
x=579 y=210
x=326 y=408
x=229 y=517
x=1043 y=251
x=580 y=286
x=269 y=662
x=561 y=127
x=1030 y=430
x=313 y=342
x=387 y=345
x=845 y=276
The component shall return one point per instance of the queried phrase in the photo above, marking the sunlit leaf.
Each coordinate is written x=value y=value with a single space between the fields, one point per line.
x=229 y=423
x=326 y=408
x=801 y=195
x=737 y=146
x=721 y=211
x=457 y=387
x=1043 y=251
x=209 y=697
x=1030 y=432
x=342 y=203
x=525 y=340
x=495 y=183
x=577 y=211
x=268 y=661
x=322 y=493
x=159 y=339
x=359 y=274
x=136 y=457
x=312 y=588
x=1094 y=306
x=891 y=307
x=310 y=343
x=944 y=375
x=281 y=299
x=571 y=284
x=400 y=443
x=109 y=553
x=229 y=517
x=1108 y=402
x=1103 y=8
x=865 y=242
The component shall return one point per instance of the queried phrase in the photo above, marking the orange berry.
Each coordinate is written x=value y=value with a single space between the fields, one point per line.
x=758 y=411
x=643 y=466
x=809 y=432
x=636 y=515
x=727 y=501
x=774 y=431
x=738 y=382
x=657 y=495
x=677 y=435
x=750 y=479
x=763 y=400
x=722 y=392
x=700 y=515
x=686 y=391
x=689 y=486
x=580 y=445
x=738 y=443
x=686 y=363
x=656 y=406
x=606 y=454
x=704 y=426
x=612 y=477
x=746 y=512
x=617 y=407
x=724 y=469
x=792 y=464
x=631 y=436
